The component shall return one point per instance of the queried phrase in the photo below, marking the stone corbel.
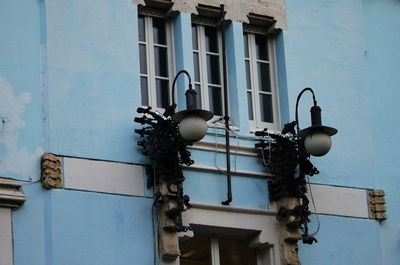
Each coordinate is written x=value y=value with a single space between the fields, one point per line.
x=51 y=171
x=376 y=205
x=11 y=195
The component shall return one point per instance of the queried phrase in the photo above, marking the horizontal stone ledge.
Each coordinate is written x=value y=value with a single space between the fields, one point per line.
x=103 y=176
x=341 y=201
x=233 y=209
x=221 y=148
x=221 y=170
x=11 y=195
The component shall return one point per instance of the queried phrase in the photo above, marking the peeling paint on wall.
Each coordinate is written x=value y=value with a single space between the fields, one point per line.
x=14 y=159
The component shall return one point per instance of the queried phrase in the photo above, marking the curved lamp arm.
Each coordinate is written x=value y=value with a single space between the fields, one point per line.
x=173 y=84
x=297 y=104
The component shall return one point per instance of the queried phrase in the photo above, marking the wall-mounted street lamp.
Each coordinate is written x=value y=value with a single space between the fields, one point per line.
x=192 y=121
x=165 y=138
x=317 y=138
x=287 y=154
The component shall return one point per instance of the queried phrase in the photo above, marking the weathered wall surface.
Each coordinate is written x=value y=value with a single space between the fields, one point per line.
x=21 y=115
x=236 y=10
x=348 y=52
x=69 y=82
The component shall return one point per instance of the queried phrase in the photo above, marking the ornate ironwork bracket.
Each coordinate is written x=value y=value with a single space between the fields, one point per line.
x=285 y=156
x=167 y=151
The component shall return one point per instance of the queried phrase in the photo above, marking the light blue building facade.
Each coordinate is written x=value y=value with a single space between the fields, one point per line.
x=70 y=85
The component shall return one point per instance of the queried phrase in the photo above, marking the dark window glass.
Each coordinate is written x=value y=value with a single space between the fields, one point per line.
x=198 y=90
x=236 y=252
x=264 y=81
x=159 y=31
x=211 y=35
x=266 y=108
x=161 y=61
x=213 y=69
x=143 y=59
x=248 y=80
x=250 y=105
x=195 y=41
x=261 y=47
x=195 y=251
x=215 y=98
x=196 y=67
x=144 y=91
x=246 y=45
x=162 y=91
x=142 y=31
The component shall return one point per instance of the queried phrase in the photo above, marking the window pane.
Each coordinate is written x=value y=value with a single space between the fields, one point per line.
x=266 y=108
x=161 y=61
x=144 y=91
x=246 y=45
x=159 y=31
x=143 y=59
x=248 y=77
x=211 y=35
x=213 y=69
x=195 y=251
x=250 y=105
x=142 y=32
x=264 y=81
x=261 y=47
x=215 y=97
x=198 y=90
x=236 y=252
x=196 y=67
x=195 y=41
x=162 y=92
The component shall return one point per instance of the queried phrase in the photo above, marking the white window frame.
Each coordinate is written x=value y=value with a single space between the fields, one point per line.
x=256 y=123
x=203 y=71
x=259 y=225
x=151 y=76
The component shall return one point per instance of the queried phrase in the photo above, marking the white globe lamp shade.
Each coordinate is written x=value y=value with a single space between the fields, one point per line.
x=193 y=127
x=317 y=143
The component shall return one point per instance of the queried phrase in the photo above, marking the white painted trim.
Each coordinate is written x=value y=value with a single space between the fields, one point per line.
x=256 y=174
x=203 y=70
x=339 y=201
x=257 y=124
x=263 y=226
x=10 y=193
x=151 y=76
x=101 y=176
x=233 y=209
x=6 y=243
x=214 y=251
x=221 y=148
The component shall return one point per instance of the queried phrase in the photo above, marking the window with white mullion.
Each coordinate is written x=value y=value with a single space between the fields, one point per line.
x=207 y=58
x=261 y=90
x=155 y=48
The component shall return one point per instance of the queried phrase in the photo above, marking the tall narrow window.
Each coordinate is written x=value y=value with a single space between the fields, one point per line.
x=155 y=49
x=207 y=58
x=262 y=91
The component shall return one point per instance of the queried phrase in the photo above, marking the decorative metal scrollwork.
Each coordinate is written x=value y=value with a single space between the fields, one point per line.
x=165 y=147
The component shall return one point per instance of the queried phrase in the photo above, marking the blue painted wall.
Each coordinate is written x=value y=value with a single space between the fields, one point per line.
x=21 y=116
x=348 y=52
x=82 y=228
x=69 y=82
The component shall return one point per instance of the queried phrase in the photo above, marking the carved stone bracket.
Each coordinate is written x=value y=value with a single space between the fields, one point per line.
x=376 y=204
x=51 y=171
x=289 y=232
x=168 y=241
x=11 y=195
x=236 y=10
